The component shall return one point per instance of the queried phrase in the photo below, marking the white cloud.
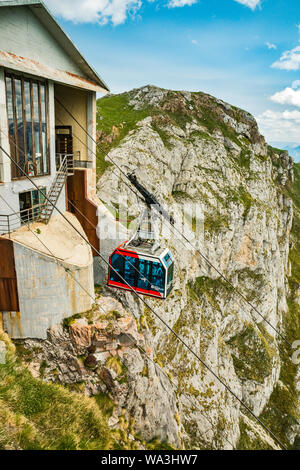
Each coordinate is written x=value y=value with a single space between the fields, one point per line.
x=94 y=11
x=271 y=46
x=103 y=11
x=287 y=115
x=290 y=60
x=249 y=3
x=181 y=3
x=195 y=42
x=296 y=84
x=280 y=126
x=288 y=96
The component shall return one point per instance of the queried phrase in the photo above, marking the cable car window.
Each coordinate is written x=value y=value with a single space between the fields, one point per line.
x=171 y=273
x=168 y=259
x=144 y=274
x=117 y=264
x=158 y=277
x=129 y=270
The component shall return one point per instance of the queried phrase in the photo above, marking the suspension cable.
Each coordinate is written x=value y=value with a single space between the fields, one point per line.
x=106 y=154
x=151 y=309
x=94 y=299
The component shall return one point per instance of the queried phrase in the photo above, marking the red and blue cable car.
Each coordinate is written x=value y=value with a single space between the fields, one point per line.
x=147 y=273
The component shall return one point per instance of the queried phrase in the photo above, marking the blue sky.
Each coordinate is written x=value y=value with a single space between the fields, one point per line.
x=246 y=52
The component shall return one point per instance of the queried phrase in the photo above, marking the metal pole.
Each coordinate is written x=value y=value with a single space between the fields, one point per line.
x=8 y=226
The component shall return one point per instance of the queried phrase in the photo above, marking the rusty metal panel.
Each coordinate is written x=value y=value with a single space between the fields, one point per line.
x=9 y=300
x=33 y=67
x=77 y=194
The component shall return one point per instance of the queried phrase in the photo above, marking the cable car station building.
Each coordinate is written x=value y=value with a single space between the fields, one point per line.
x=42 y=76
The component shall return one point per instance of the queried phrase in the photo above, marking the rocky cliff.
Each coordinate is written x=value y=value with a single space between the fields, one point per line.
x=190 y=148
x=193 y=151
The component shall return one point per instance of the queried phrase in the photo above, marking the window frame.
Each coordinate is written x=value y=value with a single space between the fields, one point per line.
x=34 y=207
x=14 y=142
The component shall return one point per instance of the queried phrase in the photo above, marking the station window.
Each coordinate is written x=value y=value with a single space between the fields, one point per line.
x=31 y=203
x=27 y=110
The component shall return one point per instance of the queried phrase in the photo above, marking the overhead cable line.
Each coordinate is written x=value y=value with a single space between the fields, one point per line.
x=130 y=338
x=197 y=250
x=148 y=306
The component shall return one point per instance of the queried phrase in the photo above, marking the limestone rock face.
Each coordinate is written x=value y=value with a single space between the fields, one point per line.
x=193 y=151
x=107 y=355
x=227 y=190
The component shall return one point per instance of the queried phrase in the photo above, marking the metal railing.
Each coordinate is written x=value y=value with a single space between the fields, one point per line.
x=69 y=159
x=11 y=222
x=1 y=172
x=83 y=164
x=64 y=168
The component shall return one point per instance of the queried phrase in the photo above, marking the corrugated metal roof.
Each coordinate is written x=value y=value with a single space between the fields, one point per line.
x=43 y=14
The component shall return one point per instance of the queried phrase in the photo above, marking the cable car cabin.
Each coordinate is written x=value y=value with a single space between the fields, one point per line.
x=147 y=273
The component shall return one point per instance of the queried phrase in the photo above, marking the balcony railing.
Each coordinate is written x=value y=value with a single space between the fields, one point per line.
x=11 y=222
x=83 y=164
x=70 y=161
x=1 y=173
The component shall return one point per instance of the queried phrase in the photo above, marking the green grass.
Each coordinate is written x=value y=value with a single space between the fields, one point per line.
x=274 y=150
x=252 y=355
x=209 y=288
x=245 y=158
x=37 y=415
x=105 y=404
x=70 y=320
x=216 y=223
x=165 y=136
x=202 y=135
x=178 y=195
x=243 y=197
x=249 y=439
x=115 y=114
x=282 y=411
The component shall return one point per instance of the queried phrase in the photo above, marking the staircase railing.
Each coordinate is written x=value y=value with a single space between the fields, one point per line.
x=65 y=165
x=11 y=222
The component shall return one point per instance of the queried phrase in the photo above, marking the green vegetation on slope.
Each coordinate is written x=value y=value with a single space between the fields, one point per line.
x=252 y=355
x=116 y=118
x=36 y=415
x=249 y=439
x=282 y=411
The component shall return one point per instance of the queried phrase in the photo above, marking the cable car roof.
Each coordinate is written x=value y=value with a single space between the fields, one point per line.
x=145 y=249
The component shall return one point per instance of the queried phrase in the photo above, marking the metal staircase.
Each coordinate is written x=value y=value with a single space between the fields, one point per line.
x=65 y=167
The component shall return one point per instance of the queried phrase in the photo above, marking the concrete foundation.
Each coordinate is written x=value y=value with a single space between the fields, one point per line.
x=49 y=290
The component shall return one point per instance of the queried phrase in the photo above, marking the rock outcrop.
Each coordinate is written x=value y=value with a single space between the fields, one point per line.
x=205 y=158
x=192 y=150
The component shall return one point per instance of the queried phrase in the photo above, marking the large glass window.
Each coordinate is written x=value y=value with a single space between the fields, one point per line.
x=31 y=204
x=27 y=111
x=130 y=273
x=117 y=268
x=144 y=274
x=158 y=277
x=170 y=273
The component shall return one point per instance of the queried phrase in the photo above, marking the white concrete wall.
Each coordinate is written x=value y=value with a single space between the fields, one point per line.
x=21 y=33
x=5 y=168
x=47 y=294
x=10 y=190
x=92 y=126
